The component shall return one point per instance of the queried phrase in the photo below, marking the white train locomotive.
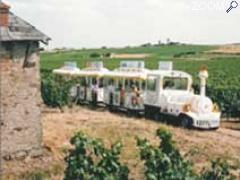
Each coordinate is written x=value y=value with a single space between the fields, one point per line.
x=169 y=94
x=161 y=94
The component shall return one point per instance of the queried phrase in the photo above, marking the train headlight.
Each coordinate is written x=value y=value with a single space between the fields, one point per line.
x=186 y=108
x=201 y=105
x=215 y=108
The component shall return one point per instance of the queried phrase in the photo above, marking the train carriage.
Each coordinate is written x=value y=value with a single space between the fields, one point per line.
x=125 y=87
x=89 y=88
x=91 y=83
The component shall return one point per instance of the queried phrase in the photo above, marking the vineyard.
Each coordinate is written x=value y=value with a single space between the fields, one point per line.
x=222 y=86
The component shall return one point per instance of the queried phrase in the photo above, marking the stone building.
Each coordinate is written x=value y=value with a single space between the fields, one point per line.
x=20 y=100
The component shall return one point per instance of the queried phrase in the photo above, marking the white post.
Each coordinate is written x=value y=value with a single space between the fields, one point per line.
x=203 y=75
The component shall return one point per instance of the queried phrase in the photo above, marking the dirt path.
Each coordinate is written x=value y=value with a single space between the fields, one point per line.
x=201 y=146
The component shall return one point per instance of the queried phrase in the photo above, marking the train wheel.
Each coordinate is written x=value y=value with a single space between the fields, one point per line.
x=156 y=116
x=147 y=112
x=129 y=113
x=186 y=122
x=111 y=108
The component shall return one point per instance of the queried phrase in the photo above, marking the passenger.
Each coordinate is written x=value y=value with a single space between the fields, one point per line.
x=168 y=85
x=122 y=95
x=134 y=95
x=94 y=92
x=111 y=91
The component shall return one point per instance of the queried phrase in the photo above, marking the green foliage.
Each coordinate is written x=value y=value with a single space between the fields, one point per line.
x=219 y=171
x=95 y=55
x=166 y=162
x=90 y=160
x=55 y=90
x=184 y=54
x=228 y=98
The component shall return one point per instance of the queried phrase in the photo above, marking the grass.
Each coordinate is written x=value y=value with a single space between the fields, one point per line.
x=199 y=146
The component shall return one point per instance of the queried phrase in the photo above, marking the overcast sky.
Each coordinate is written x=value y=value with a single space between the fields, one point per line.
x=96 y=23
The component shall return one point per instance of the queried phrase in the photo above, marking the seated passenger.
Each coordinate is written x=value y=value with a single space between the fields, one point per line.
x=168 y=85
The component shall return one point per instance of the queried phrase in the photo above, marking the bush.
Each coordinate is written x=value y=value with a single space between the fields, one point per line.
x=181 y=54
x=55 y=90
x=89 y=159
x=95 y=55
x=166 y=162
x=219 y=171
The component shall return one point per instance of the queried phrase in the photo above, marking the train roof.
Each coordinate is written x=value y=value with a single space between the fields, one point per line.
x=66 y=71
x=171 y=73
x=92 y=72
x=70 y=68
x=128 y=73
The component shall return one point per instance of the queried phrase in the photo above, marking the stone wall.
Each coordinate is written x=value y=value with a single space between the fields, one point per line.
x=20 y=101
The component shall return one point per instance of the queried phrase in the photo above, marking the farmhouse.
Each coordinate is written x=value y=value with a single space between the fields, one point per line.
x=20 y=115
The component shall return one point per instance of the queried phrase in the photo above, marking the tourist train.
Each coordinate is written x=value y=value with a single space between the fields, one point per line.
x=160 y=94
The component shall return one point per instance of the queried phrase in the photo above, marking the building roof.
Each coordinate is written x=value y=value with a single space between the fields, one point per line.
x=20 y=30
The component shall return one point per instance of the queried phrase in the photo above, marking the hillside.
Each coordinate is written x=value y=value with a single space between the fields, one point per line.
x=188 y=58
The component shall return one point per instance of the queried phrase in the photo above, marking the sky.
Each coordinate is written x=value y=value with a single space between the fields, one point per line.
x=117 y=23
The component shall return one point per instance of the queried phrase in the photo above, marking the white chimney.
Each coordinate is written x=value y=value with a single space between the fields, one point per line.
x=203 y=75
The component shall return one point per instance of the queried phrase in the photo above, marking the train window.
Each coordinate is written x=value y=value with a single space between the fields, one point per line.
x=137 y=84
x=110 y=82
x=127 y=85
x=87 y=81
x=105 y=82
x=83 y=81
x=94 y=81
x=131 y=83
x=143 y=84
x=175 y=83
x=151 y=83
x=121 y=83
x=101 y=83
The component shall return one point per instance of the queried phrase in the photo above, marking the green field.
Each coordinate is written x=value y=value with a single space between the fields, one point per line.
x=223 y=82
x=54 y=60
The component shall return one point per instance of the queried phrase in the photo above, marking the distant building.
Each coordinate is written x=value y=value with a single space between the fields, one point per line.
x=20 y=100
